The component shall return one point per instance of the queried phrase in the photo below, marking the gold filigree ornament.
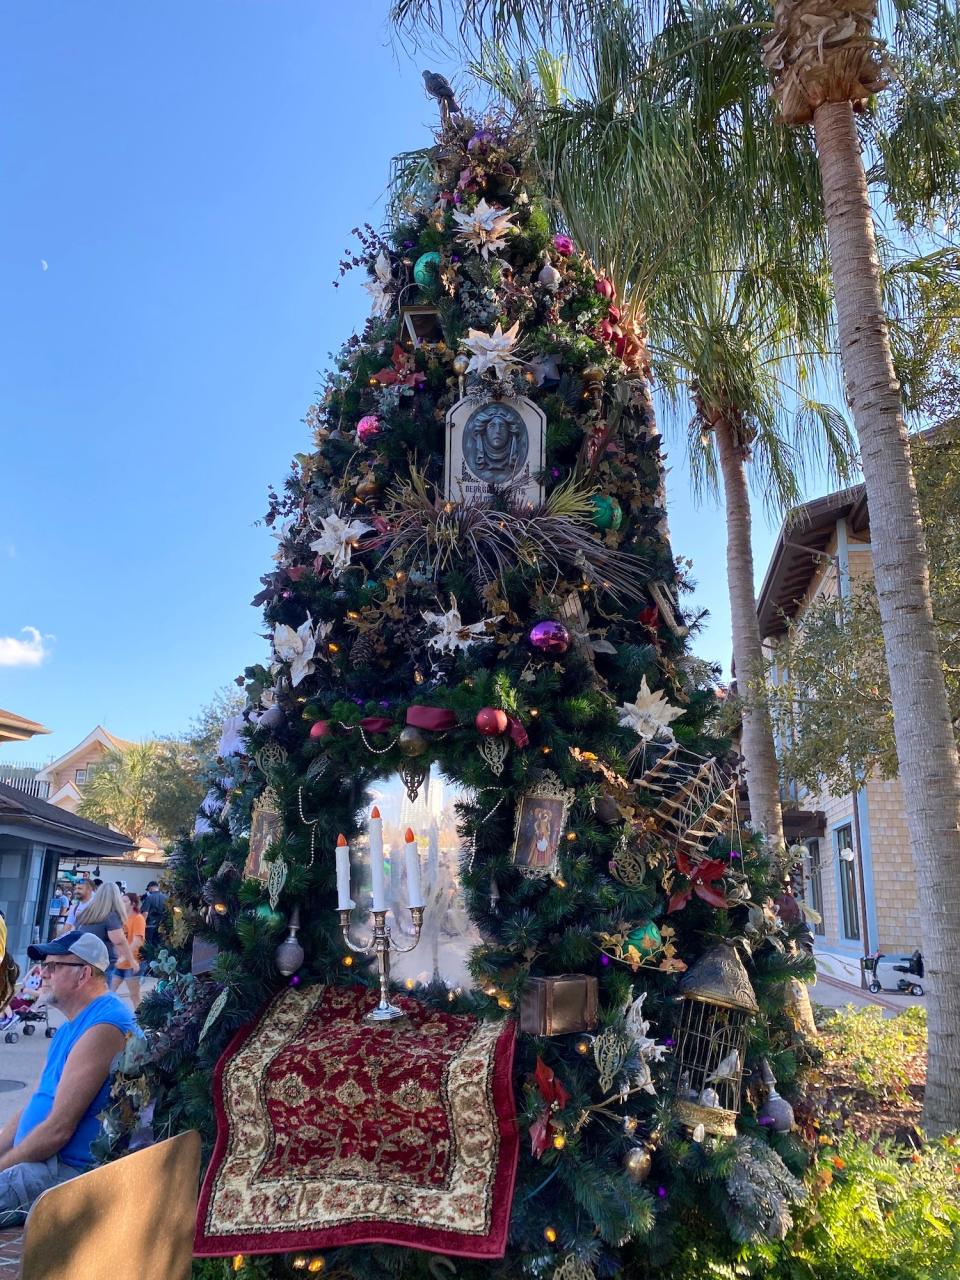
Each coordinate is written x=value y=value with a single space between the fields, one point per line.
x=494 y=751
x=270 y=756
x=276 y=879
x=574 y=1268
x=610 y=1050
x=629 y=864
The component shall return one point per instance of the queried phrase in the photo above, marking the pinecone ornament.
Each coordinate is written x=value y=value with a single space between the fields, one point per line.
x=362 y=651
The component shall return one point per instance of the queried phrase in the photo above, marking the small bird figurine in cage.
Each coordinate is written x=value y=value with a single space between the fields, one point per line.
x=711 y=1036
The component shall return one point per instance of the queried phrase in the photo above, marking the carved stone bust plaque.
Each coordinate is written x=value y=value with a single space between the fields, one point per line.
x=497 y=445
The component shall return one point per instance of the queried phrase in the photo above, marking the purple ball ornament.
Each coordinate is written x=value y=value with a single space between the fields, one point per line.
x=368 y=428
x=550 y=637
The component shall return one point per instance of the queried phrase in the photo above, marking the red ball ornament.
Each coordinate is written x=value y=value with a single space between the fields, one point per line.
x=550 y=637
x=491 y=722
x=319 y=729
x=605 y=288
x=368 y=428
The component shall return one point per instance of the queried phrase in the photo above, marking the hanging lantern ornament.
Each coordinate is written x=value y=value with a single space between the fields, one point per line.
x=711 y=1039
x=550 y=637
x=289 y=955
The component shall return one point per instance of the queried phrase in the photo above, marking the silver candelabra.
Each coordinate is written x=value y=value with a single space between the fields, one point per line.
x=381 y=944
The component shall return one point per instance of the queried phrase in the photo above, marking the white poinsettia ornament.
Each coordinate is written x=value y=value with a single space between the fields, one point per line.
x=492 y=350
x=379 y=287
x=484 y=228
x=282 y=553
x=338 y=537
x=650 y=715
x=453 y=634
x=297 y=648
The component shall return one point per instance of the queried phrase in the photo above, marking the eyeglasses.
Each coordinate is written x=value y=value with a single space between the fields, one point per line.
x=46 y=967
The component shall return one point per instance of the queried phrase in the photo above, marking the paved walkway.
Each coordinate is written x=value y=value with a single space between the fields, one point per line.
x=838 y=984
x=10 y=1249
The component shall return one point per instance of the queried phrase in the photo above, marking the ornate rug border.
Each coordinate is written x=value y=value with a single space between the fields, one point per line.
x=432 y=1240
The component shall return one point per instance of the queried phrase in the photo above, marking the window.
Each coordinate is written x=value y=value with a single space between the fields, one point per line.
x=815 y=883
x=843 y=839
x=80 y=777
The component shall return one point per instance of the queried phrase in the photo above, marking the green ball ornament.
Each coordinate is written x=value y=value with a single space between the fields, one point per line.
x=607 y=512
x=646 y=938
x=269 y=917
x=426 y=269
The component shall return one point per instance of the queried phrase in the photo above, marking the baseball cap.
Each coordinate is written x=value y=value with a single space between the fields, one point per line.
x=86 y=946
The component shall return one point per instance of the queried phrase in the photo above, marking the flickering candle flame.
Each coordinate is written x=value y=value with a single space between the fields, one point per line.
x=375 y=831
x=344 y=901
x=414 y=891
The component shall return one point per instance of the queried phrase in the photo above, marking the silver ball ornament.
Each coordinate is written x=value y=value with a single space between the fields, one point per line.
x=412 y=742
x=637 y=1163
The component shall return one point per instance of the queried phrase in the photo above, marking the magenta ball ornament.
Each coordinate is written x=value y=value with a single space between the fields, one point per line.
x=491 y=722
x=550 y=637
x=319 y=729
x=368 y=428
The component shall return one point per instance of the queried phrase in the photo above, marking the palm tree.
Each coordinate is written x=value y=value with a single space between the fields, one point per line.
x=737 y=332
x=120 y=790
x=826 y=59
x=917 y=162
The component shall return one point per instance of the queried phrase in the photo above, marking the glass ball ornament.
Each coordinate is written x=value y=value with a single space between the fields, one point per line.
x=607 y=512
x=426 y=269
x=646 y=938
x=637 y=1164
x=269 y=917
x=605 y=288
x=592 y=373
x=461 y=365
x=368 y=428
x=777 y=1113
x=369 y=487
x=319 y=729
x=412 y=742
x=491 y=722
x=550 y=637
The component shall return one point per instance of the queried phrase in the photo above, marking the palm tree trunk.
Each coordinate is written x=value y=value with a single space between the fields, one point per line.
x=926 y=748
x=763 y=783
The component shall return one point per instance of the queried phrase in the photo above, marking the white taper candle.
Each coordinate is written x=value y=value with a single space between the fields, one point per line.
x=344 y=901
x=414 y=892
x=375 y=830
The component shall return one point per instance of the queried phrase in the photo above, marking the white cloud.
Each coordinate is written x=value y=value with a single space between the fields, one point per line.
x=24 y=653
x=44 y=264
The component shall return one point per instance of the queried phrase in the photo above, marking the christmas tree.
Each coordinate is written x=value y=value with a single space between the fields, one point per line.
x=480 y=713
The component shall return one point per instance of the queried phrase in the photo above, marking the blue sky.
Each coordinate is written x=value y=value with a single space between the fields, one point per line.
x=180 y=182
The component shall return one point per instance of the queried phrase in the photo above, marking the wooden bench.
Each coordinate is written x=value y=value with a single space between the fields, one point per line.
x=133 y=1217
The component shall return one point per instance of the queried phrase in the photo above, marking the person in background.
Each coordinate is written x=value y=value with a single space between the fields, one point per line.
x=104 y=915
x=83 y=891
x=57 y=911
x=49 y=1140
x=154 y=907
x=135 y=928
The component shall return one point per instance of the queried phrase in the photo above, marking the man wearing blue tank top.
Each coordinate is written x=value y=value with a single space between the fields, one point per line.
x=49 y=1140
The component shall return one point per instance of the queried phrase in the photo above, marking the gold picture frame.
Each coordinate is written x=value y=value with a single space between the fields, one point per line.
x=540 y=826
x=266 y=828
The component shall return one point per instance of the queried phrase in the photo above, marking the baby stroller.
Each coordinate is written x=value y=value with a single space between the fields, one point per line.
x=26 y=1013
x=911 y=965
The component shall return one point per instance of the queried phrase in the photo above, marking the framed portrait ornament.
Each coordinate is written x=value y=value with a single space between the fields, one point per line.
x=541 y=823
x=495 y=445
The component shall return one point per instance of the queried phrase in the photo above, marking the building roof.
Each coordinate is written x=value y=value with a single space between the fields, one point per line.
x=801 y=545
x=58 y=826
x=107 y=740
x=14 y=728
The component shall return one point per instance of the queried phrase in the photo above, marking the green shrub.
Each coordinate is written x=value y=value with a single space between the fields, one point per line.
x=873 y=1048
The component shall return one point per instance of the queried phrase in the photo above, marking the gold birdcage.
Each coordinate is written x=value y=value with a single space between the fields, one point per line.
x=711 y=1037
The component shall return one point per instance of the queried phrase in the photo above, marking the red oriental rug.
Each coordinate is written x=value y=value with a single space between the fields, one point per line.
x=330 y=1132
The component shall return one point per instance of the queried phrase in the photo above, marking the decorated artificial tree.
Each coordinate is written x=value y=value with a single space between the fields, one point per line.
x=479 y=763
